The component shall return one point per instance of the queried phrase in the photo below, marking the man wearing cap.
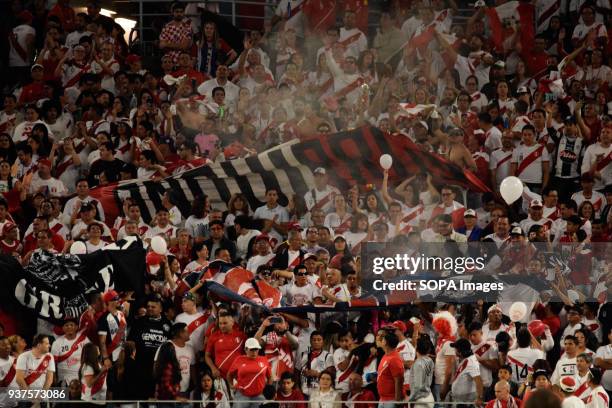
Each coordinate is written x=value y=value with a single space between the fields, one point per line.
x=466 y=383
x=9 y=242
x=73 y=66
x=404 y=348
x=535 y=216
x=471 y=230
x=35 y=90
x=66 y=350
x=112 y=326
x=321 y=196
x=588 y=194
x=248 y=376
x=493 y=324
x=567 y=387
x=176 y=35
x=79 y=231
x=43 y=182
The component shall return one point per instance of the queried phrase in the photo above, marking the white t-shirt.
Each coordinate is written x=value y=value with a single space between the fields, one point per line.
x=591 y=155
x=68 y=369
x=342 y=377
x=597 y=199
x=356 y=46
x=572 y=402
x=186 y=358
x=52 y=186
x=266 y=213
x=485 y=351
x=463 y=379
x=521 y=360
x=493 y=139
x=89 y=393
x=258 y=260
x=605 y=352
x=242 y=243
x=533 y=172
x=407 y=353
x=196 y=337
x=440 y=363
x=299 y=295
x=565 y=367
x=21 y=33
x=5 y=367
x=500 y=164
x=29 y=364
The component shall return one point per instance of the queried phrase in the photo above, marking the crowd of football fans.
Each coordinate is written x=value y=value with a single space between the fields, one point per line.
x=82 y=109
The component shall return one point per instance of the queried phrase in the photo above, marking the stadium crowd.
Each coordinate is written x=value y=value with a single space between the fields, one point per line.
x=81 y=110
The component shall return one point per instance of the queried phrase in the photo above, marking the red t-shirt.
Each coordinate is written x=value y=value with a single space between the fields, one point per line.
x=296 y=395
x=225 y=348
x=391 y=366
x=536 y=63
x=251 y=374
x=32 y=92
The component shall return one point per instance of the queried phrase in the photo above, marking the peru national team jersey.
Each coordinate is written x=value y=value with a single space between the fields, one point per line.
x=251 y=374
x=391 y=366
x=225 y=348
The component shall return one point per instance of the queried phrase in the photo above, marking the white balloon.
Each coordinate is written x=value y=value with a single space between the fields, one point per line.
x=159 y=245
x=511 y=188
x=78 y=248
x=517 y=311
x=386 y=161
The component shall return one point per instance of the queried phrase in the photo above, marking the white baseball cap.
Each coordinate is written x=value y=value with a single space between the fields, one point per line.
x=252 y=344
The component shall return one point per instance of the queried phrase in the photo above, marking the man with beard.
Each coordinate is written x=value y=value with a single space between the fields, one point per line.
x=149 y=333
x=176 y=35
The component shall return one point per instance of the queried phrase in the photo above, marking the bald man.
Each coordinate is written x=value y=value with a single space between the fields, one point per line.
x=503 y=399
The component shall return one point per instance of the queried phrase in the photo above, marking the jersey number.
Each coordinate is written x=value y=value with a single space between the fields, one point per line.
x=521 y=373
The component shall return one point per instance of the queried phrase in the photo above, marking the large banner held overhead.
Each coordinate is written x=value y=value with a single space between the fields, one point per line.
x=350 y=157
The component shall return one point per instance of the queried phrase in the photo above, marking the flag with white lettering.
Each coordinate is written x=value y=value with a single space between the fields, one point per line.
x=55 y=286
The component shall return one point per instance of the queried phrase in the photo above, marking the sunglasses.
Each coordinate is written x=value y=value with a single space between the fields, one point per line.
x=301 y=274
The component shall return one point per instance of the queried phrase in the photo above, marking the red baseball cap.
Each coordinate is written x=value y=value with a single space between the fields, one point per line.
x=44 y=162
x=399 y=325
x=7 y=227
x=110 y=295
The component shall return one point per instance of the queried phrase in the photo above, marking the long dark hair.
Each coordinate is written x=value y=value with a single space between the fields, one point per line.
x=90 y=356
x=199 y=391
x=198 y=206
x=129 y=347
x=167 y=356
